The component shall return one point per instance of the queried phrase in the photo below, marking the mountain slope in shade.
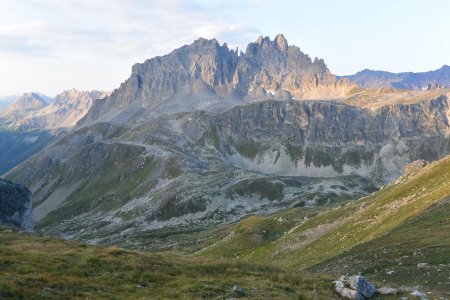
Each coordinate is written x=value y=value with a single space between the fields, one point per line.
x=206 y=75
x=439 y=78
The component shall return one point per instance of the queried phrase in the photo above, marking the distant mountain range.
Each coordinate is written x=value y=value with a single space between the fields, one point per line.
x=35 y=111
x=439 y=78
x=33 y=120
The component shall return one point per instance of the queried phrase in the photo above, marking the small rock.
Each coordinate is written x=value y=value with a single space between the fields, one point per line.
x=419 y=294
x=390 y=272
x=239 y=291
x=423 y=265
x=387 y=291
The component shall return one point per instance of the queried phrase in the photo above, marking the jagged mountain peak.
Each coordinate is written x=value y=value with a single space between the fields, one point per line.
x=206 y=75
x=279 y=42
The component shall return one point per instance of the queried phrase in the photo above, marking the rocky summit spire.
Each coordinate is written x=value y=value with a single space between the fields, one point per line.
x=259 y=40
x=281 y=42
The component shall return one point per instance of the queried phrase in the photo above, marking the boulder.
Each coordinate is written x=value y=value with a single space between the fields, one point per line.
x=387 y=291
x=355 y=287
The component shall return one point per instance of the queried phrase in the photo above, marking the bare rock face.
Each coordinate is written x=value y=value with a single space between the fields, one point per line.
x=15 y=205
x=206 y=73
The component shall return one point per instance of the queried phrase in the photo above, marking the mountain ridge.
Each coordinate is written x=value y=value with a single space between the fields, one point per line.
x=435 y=79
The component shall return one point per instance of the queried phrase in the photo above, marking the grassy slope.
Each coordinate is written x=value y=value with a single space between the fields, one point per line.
x=48 y=268
x=363 y=226
x=395 y=256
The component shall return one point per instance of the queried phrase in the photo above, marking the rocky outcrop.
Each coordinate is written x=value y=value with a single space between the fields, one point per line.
x=206 y=74
x=436 y=79
x=15 y=205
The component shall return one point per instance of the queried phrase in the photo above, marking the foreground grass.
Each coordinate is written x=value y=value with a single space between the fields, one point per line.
x=34 y=267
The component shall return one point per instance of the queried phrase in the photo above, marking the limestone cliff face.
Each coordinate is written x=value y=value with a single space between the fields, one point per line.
x=206 y=73
x=326 y=138
x=15 y=205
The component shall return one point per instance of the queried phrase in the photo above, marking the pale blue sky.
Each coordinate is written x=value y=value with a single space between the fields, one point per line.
x=52 y=45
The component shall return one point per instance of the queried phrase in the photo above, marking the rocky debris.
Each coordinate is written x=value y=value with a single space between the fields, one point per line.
x=355 y=287
x=15 y=205
x=239 y=291
x=387 y=291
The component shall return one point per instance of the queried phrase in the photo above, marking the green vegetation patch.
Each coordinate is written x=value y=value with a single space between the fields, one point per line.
x=264 y=187
x=250 y=149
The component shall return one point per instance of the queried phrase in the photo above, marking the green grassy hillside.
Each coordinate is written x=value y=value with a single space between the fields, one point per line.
x=34 y=267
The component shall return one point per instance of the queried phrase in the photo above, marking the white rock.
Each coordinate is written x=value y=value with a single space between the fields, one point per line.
x=387 y=291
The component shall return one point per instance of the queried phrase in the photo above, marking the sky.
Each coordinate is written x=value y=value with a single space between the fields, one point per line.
x=53 y=45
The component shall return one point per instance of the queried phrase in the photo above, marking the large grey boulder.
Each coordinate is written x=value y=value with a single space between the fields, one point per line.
x=355 y=287
x=15 y=205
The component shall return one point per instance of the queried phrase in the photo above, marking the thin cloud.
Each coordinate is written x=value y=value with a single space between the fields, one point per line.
x=115 y=28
